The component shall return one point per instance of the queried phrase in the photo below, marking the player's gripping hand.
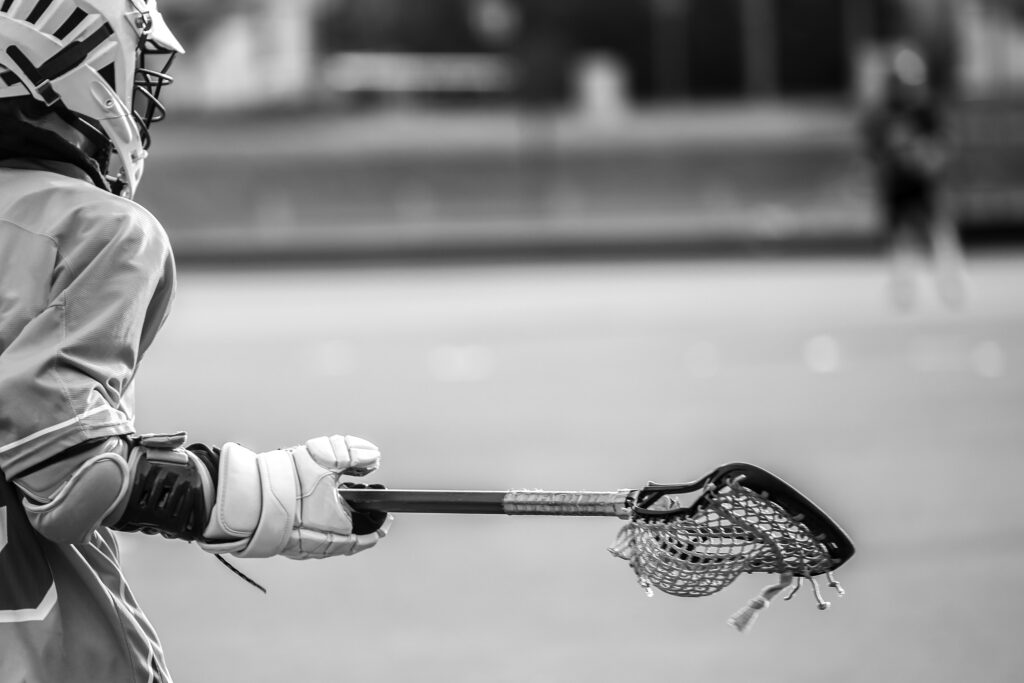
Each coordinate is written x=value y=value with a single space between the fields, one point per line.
x=286 y=502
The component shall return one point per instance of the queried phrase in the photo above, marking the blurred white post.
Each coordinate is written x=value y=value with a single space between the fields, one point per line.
x=992 y=49
x=288 y=54
x=256 y=53
x=860 y=21
x=601 y=85
x=760 y=55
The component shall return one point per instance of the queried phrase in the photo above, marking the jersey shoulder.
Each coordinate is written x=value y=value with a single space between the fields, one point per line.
x=81 y=219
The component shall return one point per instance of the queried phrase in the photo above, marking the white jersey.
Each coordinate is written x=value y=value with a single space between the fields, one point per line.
x=86 y=280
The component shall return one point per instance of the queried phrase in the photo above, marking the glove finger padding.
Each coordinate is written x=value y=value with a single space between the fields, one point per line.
x=344 y=454
x=285 y=502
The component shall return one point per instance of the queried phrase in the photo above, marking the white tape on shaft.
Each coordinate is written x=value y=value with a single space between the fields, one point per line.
x=570 y=503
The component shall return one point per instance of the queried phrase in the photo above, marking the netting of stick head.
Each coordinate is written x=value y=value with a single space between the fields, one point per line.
x=732 y=529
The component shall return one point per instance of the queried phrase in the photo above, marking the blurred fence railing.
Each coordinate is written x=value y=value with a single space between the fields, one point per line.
x=747 y=175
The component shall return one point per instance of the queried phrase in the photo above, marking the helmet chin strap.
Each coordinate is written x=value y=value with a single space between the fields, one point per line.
x=79 y=134
x=37 y=84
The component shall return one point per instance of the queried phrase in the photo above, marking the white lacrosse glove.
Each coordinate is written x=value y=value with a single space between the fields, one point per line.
x=286 y=502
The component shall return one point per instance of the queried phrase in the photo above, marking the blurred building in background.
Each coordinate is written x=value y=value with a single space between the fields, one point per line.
x=714 y=115
x=258 y=53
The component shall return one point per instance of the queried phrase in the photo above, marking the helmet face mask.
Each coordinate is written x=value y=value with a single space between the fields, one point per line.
x=151 y=77
x=99 y=63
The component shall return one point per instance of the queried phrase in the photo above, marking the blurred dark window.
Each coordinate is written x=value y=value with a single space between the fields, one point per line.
x=812 y=49
x=714 y=48
x=670 y=48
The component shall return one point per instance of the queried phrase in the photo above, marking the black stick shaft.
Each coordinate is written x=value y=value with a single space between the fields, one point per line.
x=410 y=500
x=565 y=503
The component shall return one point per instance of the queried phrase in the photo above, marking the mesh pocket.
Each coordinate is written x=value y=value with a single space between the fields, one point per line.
x=729 y=531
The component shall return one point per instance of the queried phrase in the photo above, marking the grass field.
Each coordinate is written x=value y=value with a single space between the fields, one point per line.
x=598 y=376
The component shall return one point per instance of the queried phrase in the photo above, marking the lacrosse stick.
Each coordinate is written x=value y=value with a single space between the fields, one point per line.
x=741 y=519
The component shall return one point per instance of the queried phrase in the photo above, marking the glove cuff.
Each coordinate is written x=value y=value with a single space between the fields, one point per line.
x=256 y=503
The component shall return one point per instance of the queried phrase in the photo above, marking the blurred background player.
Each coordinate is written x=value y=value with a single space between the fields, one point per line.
x=86 y=281
x=908 y=146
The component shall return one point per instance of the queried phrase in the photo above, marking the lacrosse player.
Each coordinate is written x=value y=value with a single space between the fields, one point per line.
x=907 y=145
x=86 y=281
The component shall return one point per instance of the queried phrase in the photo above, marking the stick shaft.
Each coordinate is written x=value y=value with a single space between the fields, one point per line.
x=563 y=503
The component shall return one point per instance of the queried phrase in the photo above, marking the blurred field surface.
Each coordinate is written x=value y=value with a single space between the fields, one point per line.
x=907 y=427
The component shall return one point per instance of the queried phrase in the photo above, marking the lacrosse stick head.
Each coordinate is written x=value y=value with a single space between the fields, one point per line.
x=743 y=520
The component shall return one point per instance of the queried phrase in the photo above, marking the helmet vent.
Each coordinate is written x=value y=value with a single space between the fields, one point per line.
x=109 y=74
x=70 y=24
x=38 y=10
x=6 y=5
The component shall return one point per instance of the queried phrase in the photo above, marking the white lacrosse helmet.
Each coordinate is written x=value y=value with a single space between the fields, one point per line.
x=92 y=61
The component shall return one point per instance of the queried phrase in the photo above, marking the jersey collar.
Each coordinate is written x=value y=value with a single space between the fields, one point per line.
x=60 y=167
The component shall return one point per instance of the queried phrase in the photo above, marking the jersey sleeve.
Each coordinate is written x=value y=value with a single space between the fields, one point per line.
x=67 y=376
